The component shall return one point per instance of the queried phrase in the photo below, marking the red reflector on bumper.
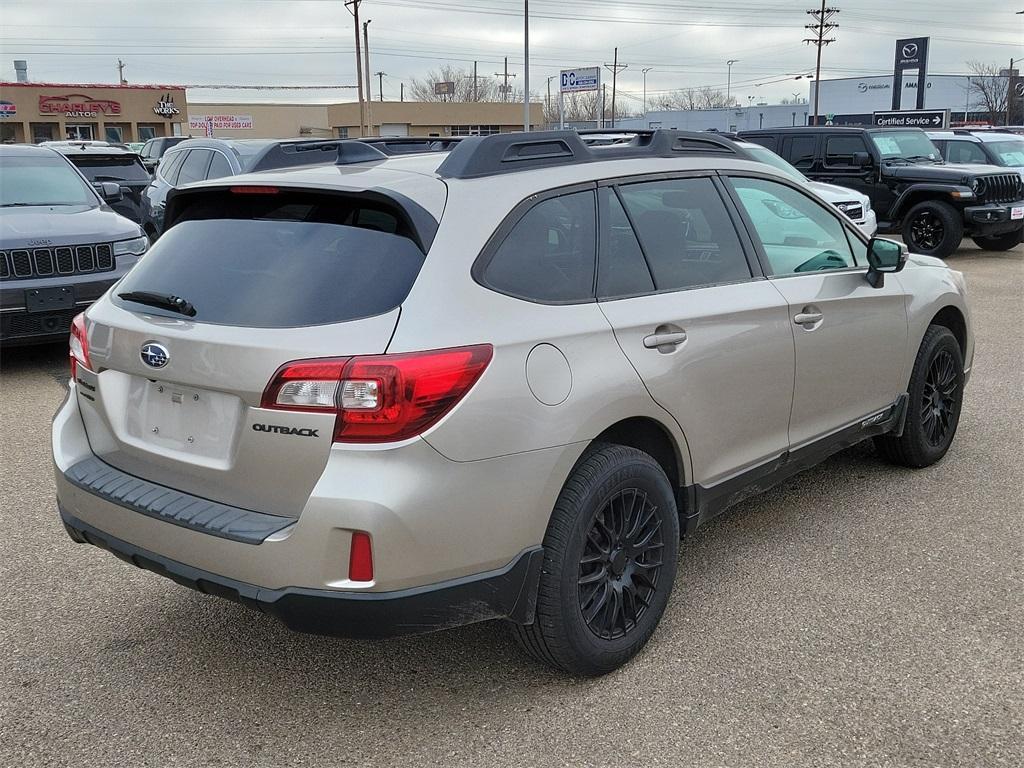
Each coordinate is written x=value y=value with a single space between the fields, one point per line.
x=360 y=558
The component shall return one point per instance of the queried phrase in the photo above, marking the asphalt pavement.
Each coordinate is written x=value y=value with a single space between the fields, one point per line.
x=859 y=615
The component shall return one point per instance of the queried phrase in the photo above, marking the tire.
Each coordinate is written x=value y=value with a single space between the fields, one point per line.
x=933 y=408
x=1000 y=242
x=933 y=228
x=611 y=487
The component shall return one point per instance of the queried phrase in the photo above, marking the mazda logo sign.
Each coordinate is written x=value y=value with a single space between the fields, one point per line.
x=1019 y=89
x=154 y=355
x=910 y=50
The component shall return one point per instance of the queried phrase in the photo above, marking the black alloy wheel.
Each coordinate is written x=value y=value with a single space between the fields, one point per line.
x=927 y=231
x=940 y=398
x=618 y=572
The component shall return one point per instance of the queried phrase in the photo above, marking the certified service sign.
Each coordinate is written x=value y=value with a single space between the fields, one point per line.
x=7 y=109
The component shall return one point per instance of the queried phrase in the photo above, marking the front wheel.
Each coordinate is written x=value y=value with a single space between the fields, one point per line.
x=1000 y=242
x=933 y=409
x=610 y=556
x=933 y=228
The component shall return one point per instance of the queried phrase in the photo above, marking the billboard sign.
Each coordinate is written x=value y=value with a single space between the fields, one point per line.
x=220 y=122
x=911 y=54
x=579 y=80
x=930 y=119
x=444 y=89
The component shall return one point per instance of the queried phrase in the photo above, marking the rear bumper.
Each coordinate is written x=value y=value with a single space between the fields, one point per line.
x=508 y=592
x=992 y=219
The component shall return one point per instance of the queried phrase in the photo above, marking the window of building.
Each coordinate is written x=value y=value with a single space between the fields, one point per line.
x=475 y=130
x=114 y=134
x=342 y=132
x=549 y=254
x=685 y=232
x=146 y=132
x=43 y=132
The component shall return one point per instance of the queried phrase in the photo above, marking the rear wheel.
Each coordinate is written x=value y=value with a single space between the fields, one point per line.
x=933 y=410
x=610 y=556
x=999 y=242
x=933 y=228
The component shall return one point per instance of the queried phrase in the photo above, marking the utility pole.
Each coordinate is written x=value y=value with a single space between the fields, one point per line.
x=353 y=8
x=506 y=76
x=369 y=90
x=821 y=27
x=122 y=81
x=380 y=78
x=475 y=97
x=401 y=91
x=645 y=70
x=614 y=68
x=604 y=101
x=728 y=82
x=526 y=65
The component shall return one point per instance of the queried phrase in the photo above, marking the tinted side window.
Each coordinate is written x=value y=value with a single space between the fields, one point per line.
x=799 y=150
x=965 y=152
x=685 y=232
x=765 y=141
x=219 y=167
x=839 y=150
x=622 y=270
x=170 y=164
x=549 y=254
x=798 y=234
x=194 y=167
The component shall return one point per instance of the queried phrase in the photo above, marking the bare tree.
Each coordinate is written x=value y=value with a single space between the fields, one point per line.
x=692 y=98
x=423 y=89
x=987 y=90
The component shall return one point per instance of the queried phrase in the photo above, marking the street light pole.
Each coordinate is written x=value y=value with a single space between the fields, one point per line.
x=526 y=65
x=728 y=86
x=645 y=70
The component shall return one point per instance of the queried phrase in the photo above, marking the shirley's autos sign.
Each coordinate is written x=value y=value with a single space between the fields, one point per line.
x=220 y=122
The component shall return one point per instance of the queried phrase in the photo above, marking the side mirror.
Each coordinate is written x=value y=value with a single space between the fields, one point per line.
x=862 y=159
x=884 y=256
x=110 y=191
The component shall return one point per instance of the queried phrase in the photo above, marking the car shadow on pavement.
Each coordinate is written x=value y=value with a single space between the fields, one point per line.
x=29 y=360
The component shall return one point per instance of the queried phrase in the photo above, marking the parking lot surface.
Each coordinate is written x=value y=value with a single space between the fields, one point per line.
x=858 y=615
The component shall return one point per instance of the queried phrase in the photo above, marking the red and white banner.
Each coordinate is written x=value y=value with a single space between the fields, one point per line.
x=220 y=122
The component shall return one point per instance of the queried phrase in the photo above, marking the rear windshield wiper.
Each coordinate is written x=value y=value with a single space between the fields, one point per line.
x=161 y=300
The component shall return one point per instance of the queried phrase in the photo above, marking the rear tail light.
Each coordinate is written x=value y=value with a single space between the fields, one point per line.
x=78 y=345
x=360 y=557
x=379 y=398
x=254 y=190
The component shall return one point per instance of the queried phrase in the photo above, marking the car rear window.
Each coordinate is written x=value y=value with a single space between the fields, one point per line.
x=117 y=168
x=280 y=261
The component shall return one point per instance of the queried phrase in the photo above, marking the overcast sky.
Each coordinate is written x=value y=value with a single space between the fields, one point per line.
x=310 y=42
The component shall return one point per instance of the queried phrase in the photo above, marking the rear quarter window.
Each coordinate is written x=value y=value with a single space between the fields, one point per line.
x=280 y=261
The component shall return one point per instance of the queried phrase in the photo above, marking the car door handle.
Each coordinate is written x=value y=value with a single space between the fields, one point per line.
x=659 y=340
x=807 y=318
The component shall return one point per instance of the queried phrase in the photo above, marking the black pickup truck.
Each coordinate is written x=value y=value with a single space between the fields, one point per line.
x=914 y=193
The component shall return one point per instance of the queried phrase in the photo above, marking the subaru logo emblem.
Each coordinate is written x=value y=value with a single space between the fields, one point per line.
x=910 y=50
x=154 y=355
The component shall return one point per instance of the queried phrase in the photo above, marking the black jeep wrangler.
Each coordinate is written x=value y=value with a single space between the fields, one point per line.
x=914 y=193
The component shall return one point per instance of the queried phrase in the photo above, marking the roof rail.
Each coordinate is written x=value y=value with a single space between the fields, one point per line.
x=407 y=145
x=477 y=156
x=286 y=153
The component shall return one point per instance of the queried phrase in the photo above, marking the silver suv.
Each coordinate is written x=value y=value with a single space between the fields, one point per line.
x=401 y=393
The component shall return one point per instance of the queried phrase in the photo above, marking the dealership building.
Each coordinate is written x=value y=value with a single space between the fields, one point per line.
x=34 y=112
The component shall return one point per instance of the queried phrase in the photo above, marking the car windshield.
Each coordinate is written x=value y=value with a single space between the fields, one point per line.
x=41 y=180
x=765 y=155
x=912 y=145
x=1009 y=153
x=110 y=167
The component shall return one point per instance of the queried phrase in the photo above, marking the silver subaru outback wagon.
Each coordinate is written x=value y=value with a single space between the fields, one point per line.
x=412 y=390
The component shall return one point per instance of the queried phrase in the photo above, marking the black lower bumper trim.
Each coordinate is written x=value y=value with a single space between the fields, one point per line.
x=509 y=592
